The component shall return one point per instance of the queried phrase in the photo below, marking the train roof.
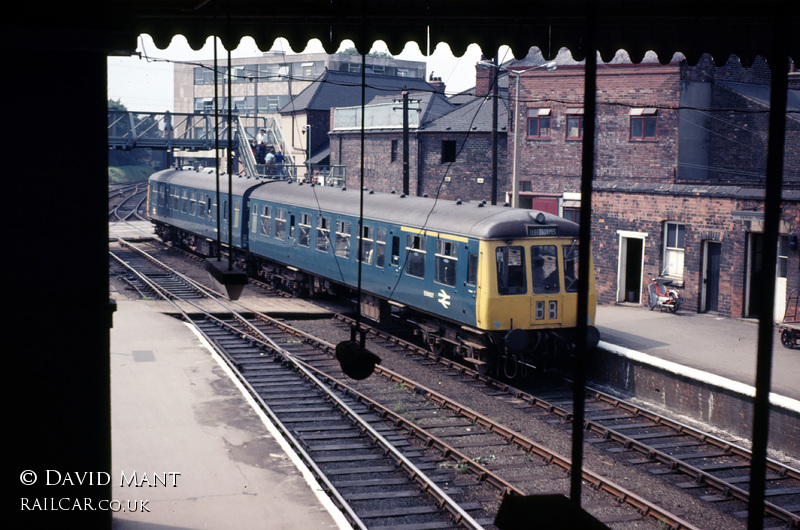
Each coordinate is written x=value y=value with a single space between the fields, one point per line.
x=468 y=219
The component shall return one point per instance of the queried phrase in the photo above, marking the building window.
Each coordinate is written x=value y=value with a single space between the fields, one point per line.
x=574 y=124
x=538 y=123
x=394 y=150
x=674 y=249
x=448 y=151
x=643 y=124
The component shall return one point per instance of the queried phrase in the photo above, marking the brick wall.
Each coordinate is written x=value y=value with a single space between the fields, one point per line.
x=554 y=164
x=428 y=175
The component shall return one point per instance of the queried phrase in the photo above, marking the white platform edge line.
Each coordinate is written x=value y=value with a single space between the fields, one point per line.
x=337 y=515
x=693 y=373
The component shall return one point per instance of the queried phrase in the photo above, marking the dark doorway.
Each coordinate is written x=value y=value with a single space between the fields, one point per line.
x=711 y=276
x=633 y=269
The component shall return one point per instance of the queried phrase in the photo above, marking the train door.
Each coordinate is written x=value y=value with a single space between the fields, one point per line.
x=709 y=295
x=630 y=268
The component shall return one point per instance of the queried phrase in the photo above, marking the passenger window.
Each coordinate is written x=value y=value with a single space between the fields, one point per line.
x=304 y=230
x=415 y=255
x=367 y=244
x=571 y=268
x=280 y=223
x=323 y=233
x=446 y=262
x=510 y=270
x=236 y=208
x=544 y=259
x=472 y=269
x=264 y=226
x=380 y=247
x=342 y=247
x=185 y=201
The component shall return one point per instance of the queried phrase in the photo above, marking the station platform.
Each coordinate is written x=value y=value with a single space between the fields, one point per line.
x=719 y=346
x=201 y=452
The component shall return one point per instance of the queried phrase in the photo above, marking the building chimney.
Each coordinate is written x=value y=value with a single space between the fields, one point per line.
x=436 y=83
x=484 y=76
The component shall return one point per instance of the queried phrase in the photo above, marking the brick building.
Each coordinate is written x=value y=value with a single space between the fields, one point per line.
x=450 y=145
x=679 y=172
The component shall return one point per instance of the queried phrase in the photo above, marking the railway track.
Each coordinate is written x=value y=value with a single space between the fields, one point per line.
x=717 y=471
x=364 y=464
x=713 y=470
x=437 y=435
x=128 y=203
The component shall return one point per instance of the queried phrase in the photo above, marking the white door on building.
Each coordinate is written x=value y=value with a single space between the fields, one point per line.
x=630 y=267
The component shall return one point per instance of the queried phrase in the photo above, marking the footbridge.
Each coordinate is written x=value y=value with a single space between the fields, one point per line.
x=199 y=132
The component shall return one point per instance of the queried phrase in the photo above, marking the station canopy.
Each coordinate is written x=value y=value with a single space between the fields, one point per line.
x=692 y=27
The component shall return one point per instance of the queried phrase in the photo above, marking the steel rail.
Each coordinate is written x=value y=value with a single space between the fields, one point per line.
x=418 y=476
x=607 y=432
x=644 y=506
x=327 y=486
x=598 y=482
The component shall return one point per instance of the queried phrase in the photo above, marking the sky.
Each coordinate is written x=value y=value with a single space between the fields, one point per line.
x=144 y=82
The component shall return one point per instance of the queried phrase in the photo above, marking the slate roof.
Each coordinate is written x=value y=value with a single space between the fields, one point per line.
x=475 y=116
x=760 y=93
x=343 y=89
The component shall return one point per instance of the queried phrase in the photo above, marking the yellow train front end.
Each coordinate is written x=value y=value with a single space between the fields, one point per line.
x=527 y=293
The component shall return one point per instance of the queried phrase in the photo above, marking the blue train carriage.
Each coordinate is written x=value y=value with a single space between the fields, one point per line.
x=494 y=285
x=486 y=283
x=183 y=206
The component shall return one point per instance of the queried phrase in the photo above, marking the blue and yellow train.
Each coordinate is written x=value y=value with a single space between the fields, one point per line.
x=494 y=285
